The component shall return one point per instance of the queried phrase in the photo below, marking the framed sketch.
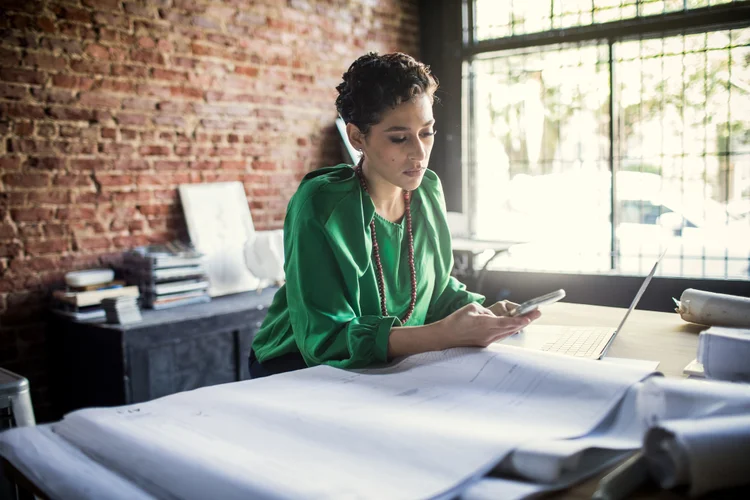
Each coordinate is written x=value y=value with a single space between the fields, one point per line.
x=219 y=222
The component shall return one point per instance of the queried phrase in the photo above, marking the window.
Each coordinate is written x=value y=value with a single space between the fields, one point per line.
x=580 y=113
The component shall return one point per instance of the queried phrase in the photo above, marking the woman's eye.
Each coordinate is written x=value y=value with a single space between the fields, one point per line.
x=398 y=140
x=429 y=133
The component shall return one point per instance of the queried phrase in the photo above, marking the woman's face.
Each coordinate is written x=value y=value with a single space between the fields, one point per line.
x=397 y=149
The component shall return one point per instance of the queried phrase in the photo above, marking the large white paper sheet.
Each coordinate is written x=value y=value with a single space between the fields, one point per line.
x=62 y=471
x=423 y=427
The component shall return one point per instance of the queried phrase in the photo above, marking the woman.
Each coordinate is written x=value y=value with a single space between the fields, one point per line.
x=368 y=250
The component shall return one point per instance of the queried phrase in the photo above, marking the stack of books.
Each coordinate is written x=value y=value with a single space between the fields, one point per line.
x=82 y=297
x=167 y=275
x=122 y=310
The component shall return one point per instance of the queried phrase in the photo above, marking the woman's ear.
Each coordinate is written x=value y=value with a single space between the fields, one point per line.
x=356 y=137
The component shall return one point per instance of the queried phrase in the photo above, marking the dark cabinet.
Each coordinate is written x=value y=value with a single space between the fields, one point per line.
x=172 y=350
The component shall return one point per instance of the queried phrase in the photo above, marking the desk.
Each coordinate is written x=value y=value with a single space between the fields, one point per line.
x=656 y=336
x=647 y=335
x=466 y=251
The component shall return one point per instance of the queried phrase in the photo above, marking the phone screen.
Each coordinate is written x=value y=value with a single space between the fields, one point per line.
x=536 y=302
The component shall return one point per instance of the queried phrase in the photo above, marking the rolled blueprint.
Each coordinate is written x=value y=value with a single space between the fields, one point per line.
x=708 y=308
x=699 y=432
x=706 y=454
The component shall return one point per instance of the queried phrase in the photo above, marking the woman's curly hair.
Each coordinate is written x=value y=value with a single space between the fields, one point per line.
x=375 y=83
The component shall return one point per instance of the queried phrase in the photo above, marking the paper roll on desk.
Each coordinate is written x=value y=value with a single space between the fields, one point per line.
x=708 y=308
x=698 y=433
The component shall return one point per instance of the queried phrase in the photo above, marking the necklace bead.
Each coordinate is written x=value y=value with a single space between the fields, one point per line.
x=376 y=252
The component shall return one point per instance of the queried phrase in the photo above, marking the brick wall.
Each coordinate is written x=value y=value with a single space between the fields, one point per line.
x=106 y=106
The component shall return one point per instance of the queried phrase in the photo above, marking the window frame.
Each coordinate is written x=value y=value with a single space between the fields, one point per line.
x=447 y=42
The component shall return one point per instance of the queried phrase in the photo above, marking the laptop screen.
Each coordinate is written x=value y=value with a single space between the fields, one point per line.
x=636 y=299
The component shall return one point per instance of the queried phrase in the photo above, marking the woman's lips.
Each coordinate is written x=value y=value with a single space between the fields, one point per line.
x=415 y=172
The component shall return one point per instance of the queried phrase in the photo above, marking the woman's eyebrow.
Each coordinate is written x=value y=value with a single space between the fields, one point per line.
x=397 y=128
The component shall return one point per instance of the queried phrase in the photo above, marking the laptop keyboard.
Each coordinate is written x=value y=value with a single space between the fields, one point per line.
x=581 y=342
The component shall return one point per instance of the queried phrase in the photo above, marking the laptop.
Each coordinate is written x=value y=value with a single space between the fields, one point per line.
x=580 y=341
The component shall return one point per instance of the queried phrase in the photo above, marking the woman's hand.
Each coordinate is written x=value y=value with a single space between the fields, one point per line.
x=476 y=326
x=503 y=308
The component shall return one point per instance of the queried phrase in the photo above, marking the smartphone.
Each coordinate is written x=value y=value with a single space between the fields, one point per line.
x=531 y=305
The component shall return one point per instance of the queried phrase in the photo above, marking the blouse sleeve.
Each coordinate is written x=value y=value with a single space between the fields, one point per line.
x=450 y=294
x=322 y=294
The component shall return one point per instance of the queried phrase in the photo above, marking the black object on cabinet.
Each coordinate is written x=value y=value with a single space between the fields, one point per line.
x=171 y=350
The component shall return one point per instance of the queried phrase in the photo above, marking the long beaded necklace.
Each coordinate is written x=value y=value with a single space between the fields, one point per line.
x=376 y=252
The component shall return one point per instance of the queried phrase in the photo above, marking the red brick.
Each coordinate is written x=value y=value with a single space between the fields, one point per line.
x=137 y=10
x=190 y=92
x=114 y=148
x=45 y=163
x=154 y=90
x=35 y=214
x=21 y=76
x=26 y=180
x=10 y=249
x=109 y=133
x=31 y=230
x=97 y=243
x=45 y=61
x=89 y=164
x=128 y=134
x=169 y=165
x=165 y=46
x=9 y=163
x=10 y=57
x=12 y=91
x=77 y=213
x=7 y=230
x=73 y=114
x=24 y=129
x=66 y=81
x=132 y=119
x=53 y=95
x=147 y=56
x=64 y=45
x=164 y=74
x=264 y=165
x=53 y=230
x=42 y=247
x=99 y=100
x=246 y=70
x=45 y=130
x=75 y=148
x=70 y=180
x=169 y=120
x=70 y=131
x=119 y=86
x=114 y=180
x=154 y=150
x=49 y=197
x=111 y=20
x=153 y=210
x=153 y=180
x=129 y=70
x=134 y=164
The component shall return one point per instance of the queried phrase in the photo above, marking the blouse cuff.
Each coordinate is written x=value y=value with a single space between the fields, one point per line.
x=382 y=335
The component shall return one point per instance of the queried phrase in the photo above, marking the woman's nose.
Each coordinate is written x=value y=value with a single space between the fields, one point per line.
x=418 y=152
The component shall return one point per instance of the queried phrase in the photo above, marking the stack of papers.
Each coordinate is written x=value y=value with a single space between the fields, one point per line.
x=500 y=422
x=428 y=426
x=724 y=353
x=122 y=310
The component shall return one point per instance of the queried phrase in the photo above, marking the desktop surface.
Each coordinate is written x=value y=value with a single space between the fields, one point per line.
x=647 y=335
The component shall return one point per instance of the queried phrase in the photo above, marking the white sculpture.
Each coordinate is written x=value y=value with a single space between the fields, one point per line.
x=264 y=257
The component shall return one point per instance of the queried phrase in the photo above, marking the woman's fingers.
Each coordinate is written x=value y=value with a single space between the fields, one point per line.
x=503 y=308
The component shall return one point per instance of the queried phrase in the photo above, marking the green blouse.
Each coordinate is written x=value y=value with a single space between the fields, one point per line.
x=329 y=308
